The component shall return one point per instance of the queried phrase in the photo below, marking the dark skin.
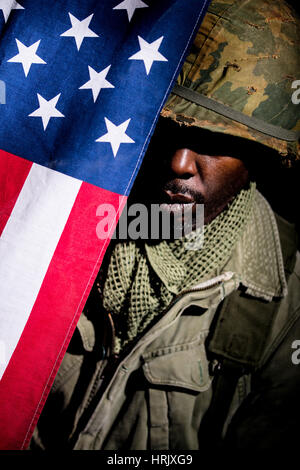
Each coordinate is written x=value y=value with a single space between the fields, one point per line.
x=181 y=168
x=215 y=180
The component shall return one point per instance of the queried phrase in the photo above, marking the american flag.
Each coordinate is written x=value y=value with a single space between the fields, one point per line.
x=82 y=85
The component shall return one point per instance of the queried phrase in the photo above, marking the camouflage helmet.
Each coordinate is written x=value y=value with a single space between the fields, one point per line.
x=238 y=77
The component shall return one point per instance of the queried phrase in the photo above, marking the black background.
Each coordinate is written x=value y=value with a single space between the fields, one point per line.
x=295 y=4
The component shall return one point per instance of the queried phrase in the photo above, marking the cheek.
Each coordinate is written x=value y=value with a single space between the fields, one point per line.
x=233 y=170
x=225 y=174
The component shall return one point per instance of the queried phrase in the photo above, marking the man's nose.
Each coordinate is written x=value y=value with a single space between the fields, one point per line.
x=183 y=163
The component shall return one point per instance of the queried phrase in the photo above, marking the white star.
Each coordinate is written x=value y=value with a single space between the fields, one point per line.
x=97 y=82
x=80 y=30
x=116 y=135
x=130 y=6
x=149 y=53
x=7 y=5
x=27 y=56
x=47 y=109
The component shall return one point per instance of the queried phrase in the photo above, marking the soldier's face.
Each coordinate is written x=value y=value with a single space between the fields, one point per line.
x=182 y=168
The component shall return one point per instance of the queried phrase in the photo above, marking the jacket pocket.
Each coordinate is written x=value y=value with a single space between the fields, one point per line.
x=183 y=366
x=176 y=375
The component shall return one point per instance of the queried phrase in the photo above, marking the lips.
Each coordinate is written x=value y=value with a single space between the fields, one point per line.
x=178 y=198
x=176 y=203
x=176 y=208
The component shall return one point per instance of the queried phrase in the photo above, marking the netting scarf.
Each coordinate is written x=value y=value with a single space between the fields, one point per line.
x=142 y=279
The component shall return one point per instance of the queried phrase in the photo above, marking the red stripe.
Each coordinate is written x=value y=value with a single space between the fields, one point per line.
x=13 y=173
x=34 y=364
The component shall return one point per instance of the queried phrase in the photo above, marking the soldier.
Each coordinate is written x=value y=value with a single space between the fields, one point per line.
x=184 y=349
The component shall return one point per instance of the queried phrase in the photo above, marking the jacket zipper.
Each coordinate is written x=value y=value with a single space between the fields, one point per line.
x=199 y=288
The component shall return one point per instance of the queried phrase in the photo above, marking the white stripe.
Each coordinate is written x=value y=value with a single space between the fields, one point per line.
x=27 y=245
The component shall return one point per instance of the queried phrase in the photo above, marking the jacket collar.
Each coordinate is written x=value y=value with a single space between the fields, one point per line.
x=257 y=257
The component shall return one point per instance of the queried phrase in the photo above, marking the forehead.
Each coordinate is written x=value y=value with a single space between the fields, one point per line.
x=170 y=135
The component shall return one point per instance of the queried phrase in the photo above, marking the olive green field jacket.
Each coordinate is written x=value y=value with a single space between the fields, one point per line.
x=218 y=369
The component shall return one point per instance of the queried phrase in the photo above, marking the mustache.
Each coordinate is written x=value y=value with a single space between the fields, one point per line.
x=179 y=187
